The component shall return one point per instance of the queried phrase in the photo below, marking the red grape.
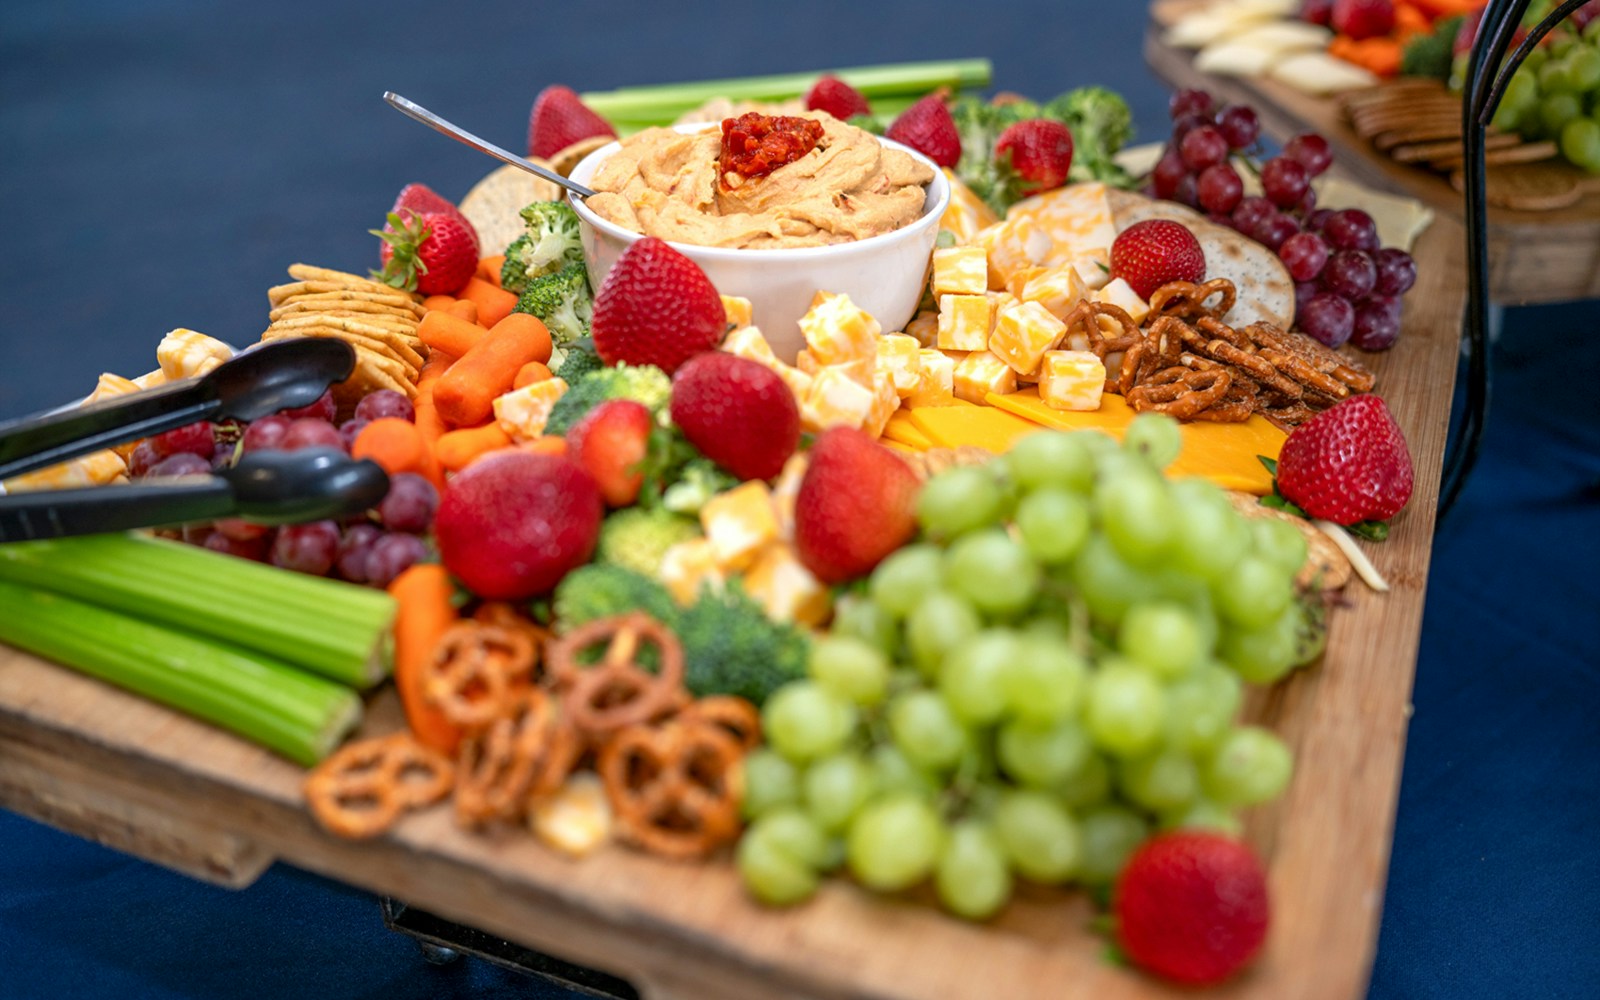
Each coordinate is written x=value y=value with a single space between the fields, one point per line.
x=349 y=429
x=306 y=548
x=1308 y=202
x=1397 y=272
x=1349 y=229
x=1186 y=124
x=142 y=458
x=1377 y=324
x=311 y=432
x=181 y=464
x=1203 y=147
x=1168 y=172
x=1327 y=317
x=265 y=434
x=1189 y=101
x=1311 y=151
x=1275 y=231
x=1304 y=291
x=254 y=548
x=1350 y=273
x=1284 y=182
x=391 y=555
x=195 y=533
x=410 y=503
x=354 y=548
x=1316 y=220
x=1304 y=254
x=1252 y=209
x=241 y=530
x=1188 y=192
x=385 y=403
x=1239 y=125
x=1316 y=11
x=194 y=439
x=323 y=409
x=1220 y=188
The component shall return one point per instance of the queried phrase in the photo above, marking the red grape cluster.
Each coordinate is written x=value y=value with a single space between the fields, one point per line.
x=1347 y=287
x=372 y=548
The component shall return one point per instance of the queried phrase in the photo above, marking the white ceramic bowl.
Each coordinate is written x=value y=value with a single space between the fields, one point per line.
x=884 y=275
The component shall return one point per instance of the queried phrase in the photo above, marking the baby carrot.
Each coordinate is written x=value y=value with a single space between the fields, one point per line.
x=433 y=302
x=427 y=420
x=457 y=449
x=546 y=444
x=424 y=595
x=393 y=443
x=489 y=269
x=465 y=394
x=464 y=309
x=444 y=331
x=533 y=371
x=494 y=302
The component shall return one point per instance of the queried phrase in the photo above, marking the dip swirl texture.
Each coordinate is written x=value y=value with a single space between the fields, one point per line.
x=665 y=184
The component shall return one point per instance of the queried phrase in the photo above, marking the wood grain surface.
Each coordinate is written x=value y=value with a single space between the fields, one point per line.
x=109 y=766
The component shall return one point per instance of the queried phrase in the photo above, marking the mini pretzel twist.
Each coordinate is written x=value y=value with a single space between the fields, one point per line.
x=675 y=789
x=1187 y=299
x=738 y=717
x=1180 y=392
x=363 y=788
x=617 y=692
x=507 y=616
x=1085 y=334
x=519 y=758
x=473 y=672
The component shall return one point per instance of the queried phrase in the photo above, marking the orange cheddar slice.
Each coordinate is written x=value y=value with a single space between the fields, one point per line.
x=901 y=429
x=982 y=426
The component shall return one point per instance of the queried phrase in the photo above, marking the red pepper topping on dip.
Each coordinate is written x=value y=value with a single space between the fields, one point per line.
x=755 y=145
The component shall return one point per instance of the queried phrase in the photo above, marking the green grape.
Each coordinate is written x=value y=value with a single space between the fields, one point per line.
x=1042 y=756
x=1044 y=683
x=1162 y=636
x=1279 y=542
x=1161 y=781
x=1137 y=513
x=803 y=721
x=1194 y=596
x=959 y=500
x=1580 y=143
x=1053 y=522
x=926 y=730
x=1038 y=834
x=1553 y=75
x=849 y=668
x=1248 y=767
x=1560 y=44
x=1155 y=437
x=939 y=624
x=796 y=833
x=993 y=571
x=1583 y=67
x=1210 y=536
x=904 y=579
x=1126 y=710
x=1089 y=785
x=1203 y=814
x=1508 y=117
x=892 y=771
x=859 y=616
x=1555 y=110
x=835 y=788
x=771 y=874
x=972 y=876
x=1254 y=592
x=894 y=843
x=1264 y=655
x=1591 y=31
x=1108 y=584
x=1052 y=458
x=972 y=678
x=1110 y=836
x=1311 y=634
x=1201 y=708
x=770 y=781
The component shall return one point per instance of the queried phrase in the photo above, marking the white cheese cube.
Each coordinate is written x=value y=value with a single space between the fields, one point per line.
x=1120 y=293
x=1094 y=269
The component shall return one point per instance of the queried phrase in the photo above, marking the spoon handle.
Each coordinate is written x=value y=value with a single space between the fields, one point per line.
x=416 y=111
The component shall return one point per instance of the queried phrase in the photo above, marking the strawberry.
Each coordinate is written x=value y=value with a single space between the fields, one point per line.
x=422 y=199
x=1151 y=253
x=1318 y=12
x=855 y=505
x=611 y=442
x=927 y=127
x=740 y=414
x=560 y=119
x=837 y=98
x=1363 y=18
x=1348 y=463
x=1040 y=153
x=433 y=253
x=1191 y=906
x=656 y=307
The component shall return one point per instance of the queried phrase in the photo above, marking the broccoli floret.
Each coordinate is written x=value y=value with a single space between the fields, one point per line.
x=579 y=362
x=732 y=647
x=600 y=590
x=637 y=538
x=562 y=300
x=1101 y=124
x=1430 y=54
x=699 y=480
x=646 y=384
x=551 y=244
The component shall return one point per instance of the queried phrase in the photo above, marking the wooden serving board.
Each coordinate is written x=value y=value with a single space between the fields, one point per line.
x=1547 y=256
x=106 y=765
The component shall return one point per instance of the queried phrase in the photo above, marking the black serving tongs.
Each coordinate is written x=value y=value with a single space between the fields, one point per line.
x=271 y=487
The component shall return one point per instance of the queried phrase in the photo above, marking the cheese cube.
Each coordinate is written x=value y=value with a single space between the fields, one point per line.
x=785 y=589
x=900 y=357
x=885 y=400
x=1094 y=268
x=981 y=373
x=836 y=398
x=689 y=566
x=935 y=380
x=739 y=523
x=966 y=214
x=576 y=819
x=798 y=381
x=964 y=322
x=111 y=386
x=737 y=310
x=1075 y=219
x=807 y=362
x=785 y=489
x=522 y=413
x=186 y=354
x=94 y=469
x=859 y=371
x=1059 y=289
x=998 y=301
x=750 y=343
x=1072 y=380
x=1023 y=333
x=149 y=380
x=924 y=326
x=960 y=270
x=1014 y=245
x=837 y=330
x=1120 y=293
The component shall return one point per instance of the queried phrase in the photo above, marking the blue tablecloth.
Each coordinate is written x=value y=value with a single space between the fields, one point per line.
x=164 y=161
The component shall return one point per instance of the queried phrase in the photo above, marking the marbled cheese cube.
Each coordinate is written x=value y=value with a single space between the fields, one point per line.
x=964 y=322
x=1072 y=380
x=94 y=469
x=885 y=400
x=837 y=330
x=522 y=413
x=935 y=380
x=1120 y=293
x=981 y=373
x=798 y=381
x=960 y=271
x=924 y=326
x=785 y=589
x=807 y=362
x=149 y=380
x=737 y=310
x=688 y=567
x=1094 y=267
x=1058 y=289
x=111 y=386
x=750 y=343
x=1023 y=332
x=1014 y=245
x=967 y=214
x=835 y=398
x=186 y=354
x=785 y=489
x=739 y=523
x=577 y=818
x=900 y=357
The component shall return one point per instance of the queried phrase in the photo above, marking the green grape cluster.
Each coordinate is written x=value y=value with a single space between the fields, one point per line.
x=1051 y=673
x=1555 y=95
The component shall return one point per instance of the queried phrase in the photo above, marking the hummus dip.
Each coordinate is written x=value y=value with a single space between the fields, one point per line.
x=666 y=184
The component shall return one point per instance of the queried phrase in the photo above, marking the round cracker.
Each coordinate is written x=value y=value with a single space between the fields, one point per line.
x=1325 y=564
x=494 y=203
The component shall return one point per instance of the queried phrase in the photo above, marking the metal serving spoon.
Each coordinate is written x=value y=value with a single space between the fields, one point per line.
x=411 y=109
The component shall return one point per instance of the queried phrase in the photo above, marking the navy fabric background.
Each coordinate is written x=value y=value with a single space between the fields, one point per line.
x=161 y=163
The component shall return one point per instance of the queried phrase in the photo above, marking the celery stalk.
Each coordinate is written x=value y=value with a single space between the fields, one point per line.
x=334 y=629
x=296 y=714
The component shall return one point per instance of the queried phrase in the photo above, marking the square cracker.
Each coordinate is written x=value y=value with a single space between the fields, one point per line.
x=303 y=305
x=368 y=350
x=372 y=291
